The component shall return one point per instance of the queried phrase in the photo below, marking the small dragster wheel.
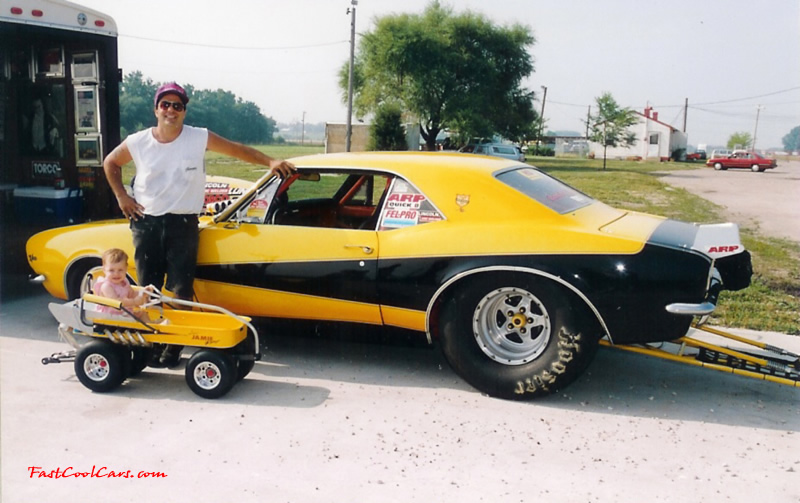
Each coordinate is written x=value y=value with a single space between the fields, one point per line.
x=210 y=373
x=98 y=366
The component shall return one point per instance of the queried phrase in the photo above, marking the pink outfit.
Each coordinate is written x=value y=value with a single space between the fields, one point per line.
x=122 y=290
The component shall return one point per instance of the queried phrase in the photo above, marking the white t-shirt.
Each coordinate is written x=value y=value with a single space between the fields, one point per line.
x=170 y=177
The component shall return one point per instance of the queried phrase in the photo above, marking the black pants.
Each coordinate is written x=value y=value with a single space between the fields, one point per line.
x=166 y=245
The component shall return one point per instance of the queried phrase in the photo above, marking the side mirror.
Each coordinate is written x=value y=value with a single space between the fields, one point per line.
x=309 y=177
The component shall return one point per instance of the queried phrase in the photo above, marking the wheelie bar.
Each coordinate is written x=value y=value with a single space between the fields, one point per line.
x=759 y=361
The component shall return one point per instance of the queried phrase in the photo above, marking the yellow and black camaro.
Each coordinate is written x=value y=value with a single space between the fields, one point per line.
x=515 y=274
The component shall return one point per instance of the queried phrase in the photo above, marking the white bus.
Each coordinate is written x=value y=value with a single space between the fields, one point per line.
x=59 y=110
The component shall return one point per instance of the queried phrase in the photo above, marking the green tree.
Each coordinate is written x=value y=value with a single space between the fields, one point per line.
x=451 y=71
x=136 y=103
x=791 y=142
x=609 y=126
x=740 y=139
x=386 y=131
x=220 y=110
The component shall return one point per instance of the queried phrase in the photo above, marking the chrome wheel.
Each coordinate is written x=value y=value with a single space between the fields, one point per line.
x=210 y=373
x=102 y=366
x=207 y=375
x=88 y=279
x=511 y=326
x=96 y=367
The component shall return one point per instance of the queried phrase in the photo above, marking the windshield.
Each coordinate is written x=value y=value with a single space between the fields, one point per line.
x=545 y=189
x=256 y=191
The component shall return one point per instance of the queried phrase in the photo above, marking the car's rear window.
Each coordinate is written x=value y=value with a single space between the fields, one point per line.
x=545 y=189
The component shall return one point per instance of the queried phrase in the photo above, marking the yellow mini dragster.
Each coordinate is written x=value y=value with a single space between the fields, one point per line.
x=108 y=347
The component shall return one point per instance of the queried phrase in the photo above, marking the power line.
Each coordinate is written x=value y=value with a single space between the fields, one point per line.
x=750 y=97
x=695 y=105
x=237 y=48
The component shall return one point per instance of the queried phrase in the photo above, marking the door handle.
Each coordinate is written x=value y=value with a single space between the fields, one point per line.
x=366 y=249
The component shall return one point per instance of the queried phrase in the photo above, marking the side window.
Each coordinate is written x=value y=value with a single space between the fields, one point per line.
x=406 y=206
x=342 y=200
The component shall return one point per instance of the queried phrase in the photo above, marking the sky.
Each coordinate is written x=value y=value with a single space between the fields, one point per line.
x=737 y=62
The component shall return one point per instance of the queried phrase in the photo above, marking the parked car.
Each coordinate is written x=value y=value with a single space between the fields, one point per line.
x=495 y=149
x=696 y=156
x=515 y=274
x=720 y=152
x=223 y=190
x=743 y=159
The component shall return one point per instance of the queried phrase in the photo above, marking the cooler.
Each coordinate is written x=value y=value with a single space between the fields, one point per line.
x=47 y=206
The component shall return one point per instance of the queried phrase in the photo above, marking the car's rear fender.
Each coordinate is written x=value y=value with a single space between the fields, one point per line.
x=447 y=288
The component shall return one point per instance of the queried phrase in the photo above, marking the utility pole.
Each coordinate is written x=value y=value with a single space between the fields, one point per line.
x=541 y=119
x=755 y=131
x=303 y=134
x=349 y=132
x=588 y=120
x=685 y=113
x=605 y=144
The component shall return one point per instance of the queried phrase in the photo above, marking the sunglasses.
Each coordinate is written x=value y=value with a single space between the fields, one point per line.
x=176 y=105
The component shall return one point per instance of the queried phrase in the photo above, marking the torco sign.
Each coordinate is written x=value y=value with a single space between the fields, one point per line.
x=46 y=169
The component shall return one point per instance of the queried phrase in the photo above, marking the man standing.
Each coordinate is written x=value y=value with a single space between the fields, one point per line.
x=169 y=191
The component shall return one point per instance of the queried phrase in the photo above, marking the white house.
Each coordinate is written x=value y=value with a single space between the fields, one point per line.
x=654 y=140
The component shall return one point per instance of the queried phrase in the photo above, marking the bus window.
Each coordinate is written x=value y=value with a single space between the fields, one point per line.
x=43 y=121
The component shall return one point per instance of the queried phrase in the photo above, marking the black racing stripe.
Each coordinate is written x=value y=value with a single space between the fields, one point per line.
x=349 y=280
x=630 y=291
x=674 y=234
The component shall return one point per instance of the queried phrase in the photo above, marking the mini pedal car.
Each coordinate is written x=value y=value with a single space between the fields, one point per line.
x=108 y=348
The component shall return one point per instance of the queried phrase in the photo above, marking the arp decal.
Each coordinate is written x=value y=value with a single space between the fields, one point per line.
x=723 y=249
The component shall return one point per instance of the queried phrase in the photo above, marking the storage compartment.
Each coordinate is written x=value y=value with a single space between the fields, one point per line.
x=47 y=206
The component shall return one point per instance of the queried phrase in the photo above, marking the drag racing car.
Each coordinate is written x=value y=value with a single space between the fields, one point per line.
x=515 y=274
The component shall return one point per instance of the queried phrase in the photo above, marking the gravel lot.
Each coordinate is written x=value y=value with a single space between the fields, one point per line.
x=325 y=421
x=767 y=202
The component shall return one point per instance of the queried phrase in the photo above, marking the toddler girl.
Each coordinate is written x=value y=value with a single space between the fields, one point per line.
x=115 y=285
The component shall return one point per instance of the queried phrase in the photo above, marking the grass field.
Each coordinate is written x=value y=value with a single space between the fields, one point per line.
x=772 y=302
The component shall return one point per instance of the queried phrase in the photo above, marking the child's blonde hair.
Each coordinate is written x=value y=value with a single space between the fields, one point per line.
x=114 y=255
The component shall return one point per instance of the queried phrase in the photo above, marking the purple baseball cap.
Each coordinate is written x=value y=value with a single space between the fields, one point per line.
x=171 y=88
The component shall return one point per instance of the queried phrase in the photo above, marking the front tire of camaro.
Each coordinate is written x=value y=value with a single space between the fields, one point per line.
x=81 y=277
x=516 y=337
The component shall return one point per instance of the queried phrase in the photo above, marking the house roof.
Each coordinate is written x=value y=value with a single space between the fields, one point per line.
x=649 y=115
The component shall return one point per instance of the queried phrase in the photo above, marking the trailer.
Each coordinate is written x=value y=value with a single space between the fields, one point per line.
x=59 y=112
